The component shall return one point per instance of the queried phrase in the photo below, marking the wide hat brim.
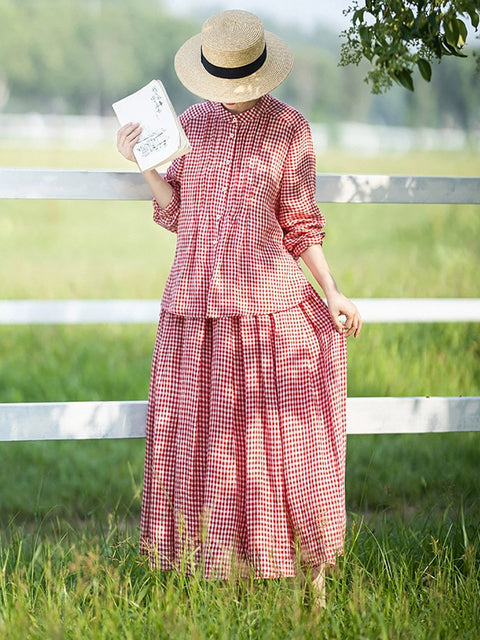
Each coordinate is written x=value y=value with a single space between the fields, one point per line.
x=193 y=75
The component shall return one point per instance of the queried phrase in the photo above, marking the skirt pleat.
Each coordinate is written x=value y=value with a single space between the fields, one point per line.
x=245 y=443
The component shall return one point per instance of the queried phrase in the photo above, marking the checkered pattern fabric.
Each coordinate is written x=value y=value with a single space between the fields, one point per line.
x=244 y=208
x=245 y=443
x=245 y=447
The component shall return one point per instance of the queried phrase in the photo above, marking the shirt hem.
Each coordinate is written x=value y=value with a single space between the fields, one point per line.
x=308 y=292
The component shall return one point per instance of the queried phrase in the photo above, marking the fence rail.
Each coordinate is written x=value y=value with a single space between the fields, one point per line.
x=85 y=420
x=64 y=184
x=22 y=312
x=102 y=420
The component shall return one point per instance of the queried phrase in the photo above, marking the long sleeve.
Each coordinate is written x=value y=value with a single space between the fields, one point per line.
x=243 y=207
x=168 y=217
x=298 y=214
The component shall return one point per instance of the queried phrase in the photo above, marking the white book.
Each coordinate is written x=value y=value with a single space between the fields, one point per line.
x=163 y=137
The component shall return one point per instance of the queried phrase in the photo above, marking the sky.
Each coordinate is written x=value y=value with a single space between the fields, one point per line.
x=304 y=13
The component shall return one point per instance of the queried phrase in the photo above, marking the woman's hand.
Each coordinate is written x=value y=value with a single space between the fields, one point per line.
x=127 y=138
x=339 y=305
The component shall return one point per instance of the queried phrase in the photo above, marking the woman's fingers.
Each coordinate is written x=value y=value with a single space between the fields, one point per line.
x=128 y=128
x=124 y=131
x=134 y=133
x=127 y=137
x=353 y=324
x=339 y=321
x=346 y=318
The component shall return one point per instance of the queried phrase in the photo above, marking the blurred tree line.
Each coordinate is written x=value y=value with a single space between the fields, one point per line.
x=66 y=56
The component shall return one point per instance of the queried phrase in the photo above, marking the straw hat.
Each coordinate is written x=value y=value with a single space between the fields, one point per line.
x=233 y=59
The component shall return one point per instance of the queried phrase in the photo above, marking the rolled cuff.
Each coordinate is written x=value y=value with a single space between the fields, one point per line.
x=168 y=216
x=298 y=245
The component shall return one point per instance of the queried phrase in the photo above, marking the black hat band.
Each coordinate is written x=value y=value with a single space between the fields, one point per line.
x=232 y=73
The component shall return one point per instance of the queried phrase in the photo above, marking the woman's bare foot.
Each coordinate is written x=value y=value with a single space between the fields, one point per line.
x=318 y=586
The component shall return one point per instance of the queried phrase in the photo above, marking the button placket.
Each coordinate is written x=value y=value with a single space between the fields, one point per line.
x=226 y=176
x=228 y=159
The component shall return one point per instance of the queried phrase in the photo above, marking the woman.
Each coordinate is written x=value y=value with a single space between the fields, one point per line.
x=245 y=447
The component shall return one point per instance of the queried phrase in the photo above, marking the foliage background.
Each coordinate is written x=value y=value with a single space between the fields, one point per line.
x=69 y=510
x=64 y=56
x=397 y=36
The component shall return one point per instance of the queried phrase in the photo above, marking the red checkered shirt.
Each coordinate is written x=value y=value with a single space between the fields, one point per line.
x=244 y=209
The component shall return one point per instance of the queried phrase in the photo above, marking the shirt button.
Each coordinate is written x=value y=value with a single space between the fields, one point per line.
x=214 y=241
x=224 y=189
x=232 y=135
x=227 y=161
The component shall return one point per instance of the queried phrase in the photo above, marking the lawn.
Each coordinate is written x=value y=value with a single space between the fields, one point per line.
x=69 y=510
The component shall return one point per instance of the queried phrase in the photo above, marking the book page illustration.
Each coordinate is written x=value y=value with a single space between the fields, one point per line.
x=162 y=137
x=159 y=128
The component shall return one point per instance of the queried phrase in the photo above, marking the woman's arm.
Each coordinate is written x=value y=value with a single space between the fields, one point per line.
x=127 y=137
x=338 y=304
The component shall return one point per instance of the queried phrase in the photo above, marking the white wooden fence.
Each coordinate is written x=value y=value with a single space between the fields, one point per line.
x=127 y=185
x=85 y=420
x=147 y=311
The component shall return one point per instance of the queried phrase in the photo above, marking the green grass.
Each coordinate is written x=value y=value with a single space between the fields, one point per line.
x=112 y=362
x=56 y=249
x=65 y=249
x=108 y=362
x=430 y=163
x=104 y=362
x=451 y=163
x=69 y=510
x=404 y=251
x=399 y=476
x=430 y=359
x=416 y=582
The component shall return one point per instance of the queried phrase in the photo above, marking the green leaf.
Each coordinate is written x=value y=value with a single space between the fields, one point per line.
x=364 y=34
x=407 y=32
x=474 y=17
x=449 y=50
x=425 y=69
x=437 y=47
x=404 y=77
x=408 y=18
x=358 y=15
x=452 y=32
x=434 y=22
x=462 y=31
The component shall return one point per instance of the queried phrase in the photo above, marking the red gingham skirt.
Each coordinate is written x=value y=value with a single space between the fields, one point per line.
x=245 y=443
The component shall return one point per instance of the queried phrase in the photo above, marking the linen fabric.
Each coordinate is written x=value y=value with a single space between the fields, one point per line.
x=245 y=440
x=244 y=208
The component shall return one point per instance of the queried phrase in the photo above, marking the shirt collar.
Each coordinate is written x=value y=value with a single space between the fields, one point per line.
x=246 y=116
